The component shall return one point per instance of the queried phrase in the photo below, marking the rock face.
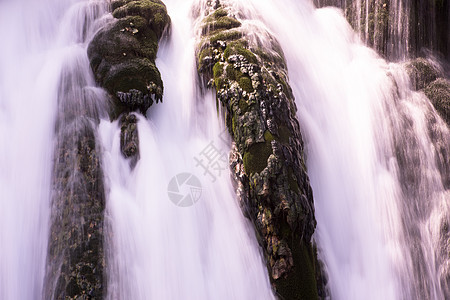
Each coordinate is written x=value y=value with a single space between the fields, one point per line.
x=122 y=55
x=129 y=140
x=429 y=79
x=439 y=93
x=394 y=26
x=75 y=260
x=267 y=157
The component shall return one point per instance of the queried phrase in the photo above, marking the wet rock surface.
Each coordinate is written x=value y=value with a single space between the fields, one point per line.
x=76 y=257
x=433 y=82
x=439 y=94
x=129 y=139
x=122 y=54
x=267 y=157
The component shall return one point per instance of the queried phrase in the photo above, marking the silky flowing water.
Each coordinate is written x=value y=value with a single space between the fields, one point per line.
x=377 y=157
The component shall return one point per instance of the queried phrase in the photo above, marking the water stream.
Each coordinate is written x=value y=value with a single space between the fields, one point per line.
x=377 y=156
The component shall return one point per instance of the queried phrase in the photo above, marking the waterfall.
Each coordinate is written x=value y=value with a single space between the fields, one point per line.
x=377 y=159
x=376 y=153
x=160 y=247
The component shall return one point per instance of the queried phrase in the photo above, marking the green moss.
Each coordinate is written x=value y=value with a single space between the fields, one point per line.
x=301 y=281
x=225 y=36
x=255 y=159
x=220 y=23
x=233 y=125
x=268 y=136
x=217 y=72
x=243 y=106
x=246 y=84
x=239 y=48
x=154 y=12
x=133 y=74
x=221 y=12
x=232 y=73
x=203 y=53
x=439 y=94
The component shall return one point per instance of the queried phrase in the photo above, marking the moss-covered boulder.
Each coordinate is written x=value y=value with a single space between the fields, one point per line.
x=267 y=157
x=422 y=72
x=427 y=76
x=439 y=94
x=122 y=54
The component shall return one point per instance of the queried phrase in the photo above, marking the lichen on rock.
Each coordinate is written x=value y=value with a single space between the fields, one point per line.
x=122 y=54
x=250 y=79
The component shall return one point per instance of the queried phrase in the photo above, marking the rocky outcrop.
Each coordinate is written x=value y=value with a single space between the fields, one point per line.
x=438 y=92
x=394 y=27
x=122 y=55
x=428 y=78
x=267 y=157
x=75 y=260
x=129 y=140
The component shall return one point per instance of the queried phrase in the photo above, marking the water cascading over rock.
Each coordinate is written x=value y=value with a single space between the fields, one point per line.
x=122 y=56
x=399 y=28
x=248 y=71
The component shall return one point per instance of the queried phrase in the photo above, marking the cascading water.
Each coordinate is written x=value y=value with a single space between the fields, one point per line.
x=159 y=249
x=377 y=155
x=377 y=158
x=44 y=79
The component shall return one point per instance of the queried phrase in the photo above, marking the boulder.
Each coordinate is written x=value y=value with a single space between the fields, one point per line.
x=266 y=160
x=122 y=54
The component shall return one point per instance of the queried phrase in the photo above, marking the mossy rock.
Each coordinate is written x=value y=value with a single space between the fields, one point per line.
x=421 y=72
x=439 y=94
x=153 y=11
x=301 y=282
x=122 y=55
x=274 y=191
x=255 y=159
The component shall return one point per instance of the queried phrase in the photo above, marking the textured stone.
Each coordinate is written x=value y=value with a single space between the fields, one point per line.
x=267 y=156
x=122 y=54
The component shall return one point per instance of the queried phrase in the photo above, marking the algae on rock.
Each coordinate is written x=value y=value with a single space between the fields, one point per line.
x=250 y=79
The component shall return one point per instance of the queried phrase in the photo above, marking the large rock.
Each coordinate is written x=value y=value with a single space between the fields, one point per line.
x=76 y=258
x=438 y=92
x=426 y=76
x=267 y=157
x=122 y=55
x=422 y=72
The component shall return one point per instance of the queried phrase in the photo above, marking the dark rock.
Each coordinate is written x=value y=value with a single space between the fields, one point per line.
x=422 y=72
x=75 y=257
x=439 y=94
x=75 y=260
x=122 y=54
x=267 y=157
x=129 y=139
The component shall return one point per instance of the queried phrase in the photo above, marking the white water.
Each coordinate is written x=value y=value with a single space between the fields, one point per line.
x=378 y=192
x=158 y=250
x=43 y=42
x=370 y=207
